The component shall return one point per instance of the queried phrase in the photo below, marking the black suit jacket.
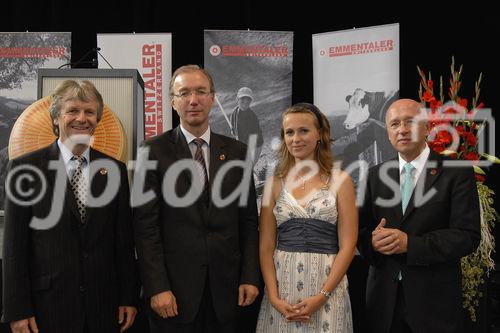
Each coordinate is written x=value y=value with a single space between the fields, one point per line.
x=70 y=273
x=440 y=232
x=179 y=246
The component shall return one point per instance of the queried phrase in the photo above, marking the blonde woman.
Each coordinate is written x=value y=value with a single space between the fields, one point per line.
x=308 y=231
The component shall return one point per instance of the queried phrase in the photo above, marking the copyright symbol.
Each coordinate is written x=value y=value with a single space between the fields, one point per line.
x=20 y=185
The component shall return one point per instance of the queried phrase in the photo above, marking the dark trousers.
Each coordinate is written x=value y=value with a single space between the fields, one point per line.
x=4 y=327
x=204 y=322
x=400 y=316
x=357 y=275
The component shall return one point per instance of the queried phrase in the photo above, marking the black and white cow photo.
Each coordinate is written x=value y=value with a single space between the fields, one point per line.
x=363 y=134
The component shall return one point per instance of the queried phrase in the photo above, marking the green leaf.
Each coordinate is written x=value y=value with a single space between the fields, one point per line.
x=491 y=158
x=448 y=152
x=478 y=170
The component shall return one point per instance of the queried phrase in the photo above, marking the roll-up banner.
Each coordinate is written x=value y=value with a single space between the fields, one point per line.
x=21 y=54
x=252 y=71
x=356 y=78
x=151 y=55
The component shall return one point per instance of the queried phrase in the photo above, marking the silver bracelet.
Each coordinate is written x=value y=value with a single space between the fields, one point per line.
x=325 y=293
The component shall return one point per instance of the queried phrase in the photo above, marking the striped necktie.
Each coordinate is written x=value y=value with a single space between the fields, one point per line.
x=201 y=166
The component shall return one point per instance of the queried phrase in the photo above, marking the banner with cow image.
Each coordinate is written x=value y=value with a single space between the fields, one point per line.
x=151 y=55
x=356 y=78
x=252 y=71
x=21 y=54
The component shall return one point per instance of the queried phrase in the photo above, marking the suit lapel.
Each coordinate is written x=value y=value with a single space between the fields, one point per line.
x=182 y=152
x=431 y=172
x=393 y=173
x=54 y=154
x=217 y=159
x=217 y=156
x=97 y=183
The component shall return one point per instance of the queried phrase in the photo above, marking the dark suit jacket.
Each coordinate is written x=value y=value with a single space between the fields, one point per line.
x=440 y=232
x=179 y=247
x=71 y=273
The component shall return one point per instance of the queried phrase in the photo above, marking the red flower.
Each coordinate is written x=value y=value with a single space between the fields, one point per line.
x=462 y=102
x=472 y=156
x=437 y=146
x=428 y=96
x=445 y=137
x=479 y=178
x=461 y=131
x=450 y=110
x=471 y=139
x=430 y=84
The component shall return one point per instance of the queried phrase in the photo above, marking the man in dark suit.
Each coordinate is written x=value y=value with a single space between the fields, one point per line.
x=68 y=255
x=419 y=217
x=198 y=255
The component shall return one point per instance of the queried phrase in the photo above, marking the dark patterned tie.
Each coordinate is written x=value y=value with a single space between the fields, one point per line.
x=79 y=186
x=200 y=166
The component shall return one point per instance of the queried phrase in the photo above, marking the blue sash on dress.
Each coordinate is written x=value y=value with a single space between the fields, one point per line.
x=308 y=235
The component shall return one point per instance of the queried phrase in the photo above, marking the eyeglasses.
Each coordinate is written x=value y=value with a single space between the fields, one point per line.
x=187 y=93
x=408 y=123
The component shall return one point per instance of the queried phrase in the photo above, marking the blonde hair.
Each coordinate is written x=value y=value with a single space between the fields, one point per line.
x=323 y=155
x=70 y=89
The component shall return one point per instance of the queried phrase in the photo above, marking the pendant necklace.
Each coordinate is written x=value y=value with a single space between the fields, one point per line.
x=304 y=180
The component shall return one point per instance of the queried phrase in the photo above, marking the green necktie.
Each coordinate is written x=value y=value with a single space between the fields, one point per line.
x=407 y=186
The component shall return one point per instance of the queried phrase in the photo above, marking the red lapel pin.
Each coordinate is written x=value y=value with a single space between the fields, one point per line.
x=433 y=172
x=222 y=157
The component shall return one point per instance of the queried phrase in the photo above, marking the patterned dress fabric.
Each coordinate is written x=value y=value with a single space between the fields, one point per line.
x=301 y=275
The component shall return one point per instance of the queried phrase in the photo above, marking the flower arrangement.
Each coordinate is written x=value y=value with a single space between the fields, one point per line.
x=454 y=131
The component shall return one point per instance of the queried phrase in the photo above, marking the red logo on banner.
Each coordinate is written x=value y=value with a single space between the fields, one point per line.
x=215 y=50
x=32 y=52
x=361 y=48
x=153 y=91
x=255 y=51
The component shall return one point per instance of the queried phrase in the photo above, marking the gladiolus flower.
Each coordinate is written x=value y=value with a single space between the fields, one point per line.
x=428 y=96
x=471 y=139
x=480 y=178
x=445 y=137
x=472 y=156
x=462 y=102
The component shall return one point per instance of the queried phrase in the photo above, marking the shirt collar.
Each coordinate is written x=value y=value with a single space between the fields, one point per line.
x=418 y=163
x=190 y=137
x=67 y=154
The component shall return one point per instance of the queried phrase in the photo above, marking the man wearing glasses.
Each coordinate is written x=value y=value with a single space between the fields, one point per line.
x=198 y=258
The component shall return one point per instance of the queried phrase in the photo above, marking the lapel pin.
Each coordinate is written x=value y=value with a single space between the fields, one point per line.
x=433 y=172
x=103 y=171
x=222 y=157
